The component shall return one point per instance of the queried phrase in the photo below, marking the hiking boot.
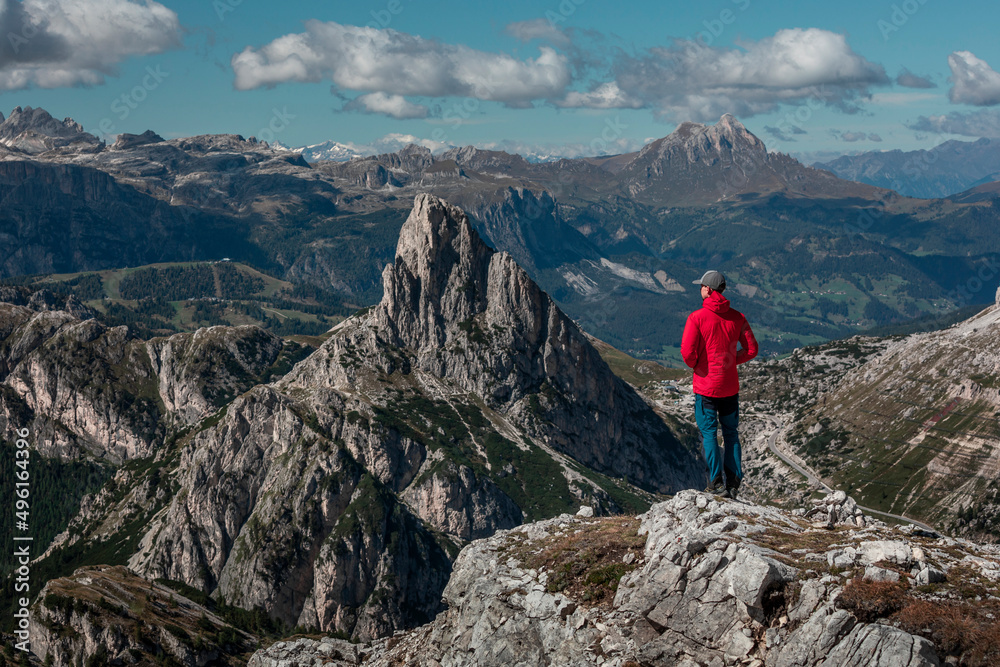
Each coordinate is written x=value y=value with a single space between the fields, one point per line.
x=731 y=492
x=717 y=488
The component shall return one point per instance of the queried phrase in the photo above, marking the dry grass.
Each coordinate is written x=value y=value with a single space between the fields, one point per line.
x=872 y=600
x=585 y=562
x=969 y=632
x=814 y=540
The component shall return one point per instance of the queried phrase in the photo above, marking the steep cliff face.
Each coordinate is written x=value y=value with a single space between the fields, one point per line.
x=88 y=389
x=64 y=217
x=527 y=226
x=272 y=513
x=200 y=372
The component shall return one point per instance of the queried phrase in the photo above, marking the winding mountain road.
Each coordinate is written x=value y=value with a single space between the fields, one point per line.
x=772 y=444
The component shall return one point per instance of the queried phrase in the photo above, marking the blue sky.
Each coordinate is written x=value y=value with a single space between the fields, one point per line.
x=567 y=77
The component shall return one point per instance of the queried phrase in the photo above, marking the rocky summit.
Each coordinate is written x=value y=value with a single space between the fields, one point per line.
x=697 y=581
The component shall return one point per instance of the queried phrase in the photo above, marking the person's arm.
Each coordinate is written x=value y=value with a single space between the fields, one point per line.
x=690 y=342
x=748 y=343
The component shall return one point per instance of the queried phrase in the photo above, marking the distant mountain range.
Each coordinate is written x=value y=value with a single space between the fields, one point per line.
x=616 y=240
x=945 y=170
x=335 y=151
x=332 y=151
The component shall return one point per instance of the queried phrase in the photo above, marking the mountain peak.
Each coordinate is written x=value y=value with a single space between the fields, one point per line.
x=41 y=121
x=439 y=255
x=689 y=133
x=34 y=130
x=729 y=120
x=415 y=149
x=701 y=164
x=126 y=140
x=735 y=133
x=470 y=314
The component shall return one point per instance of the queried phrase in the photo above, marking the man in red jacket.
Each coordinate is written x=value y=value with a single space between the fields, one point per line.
x=709 y=346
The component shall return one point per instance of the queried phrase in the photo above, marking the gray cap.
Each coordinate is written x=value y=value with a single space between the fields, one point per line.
x=712 y=279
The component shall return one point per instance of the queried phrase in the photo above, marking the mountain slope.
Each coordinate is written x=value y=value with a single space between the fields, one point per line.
x=908 y=425
x=700 y=165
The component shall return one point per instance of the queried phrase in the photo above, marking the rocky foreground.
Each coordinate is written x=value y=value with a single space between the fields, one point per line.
x=698 y=580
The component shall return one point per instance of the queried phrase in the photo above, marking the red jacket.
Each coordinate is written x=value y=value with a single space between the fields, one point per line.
x=709 y=346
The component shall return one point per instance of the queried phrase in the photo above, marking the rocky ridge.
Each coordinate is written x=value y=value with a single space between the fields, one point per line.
x=946 y=170
x=109 y=614
x=711 y=582
x=33 y=131
x=89 y=389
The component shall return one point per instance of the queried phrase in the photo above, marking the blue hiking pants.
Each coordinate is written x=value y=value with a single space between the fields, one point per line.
x=711 y=412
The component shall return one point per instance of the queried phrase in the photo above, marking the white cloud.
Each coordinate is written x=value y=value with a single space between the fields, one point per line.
x=692 y=81
x=853 y=136
x=396 y=63
x=684 y=81
x=602 y=96
x=784 y=133
x=982 y=123
x=395 y=106
x=974 y=81
x=55 y=43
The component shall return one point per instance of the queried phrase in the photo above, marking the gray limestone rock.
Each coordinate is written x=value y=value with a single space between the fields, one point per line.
x=929 y=575
x=701 y=597
x=875 y=644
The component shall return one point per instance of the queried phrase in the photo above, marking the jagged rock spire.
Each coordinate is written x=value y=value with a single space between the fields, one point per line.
x=472 y=315
x=441 y=269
